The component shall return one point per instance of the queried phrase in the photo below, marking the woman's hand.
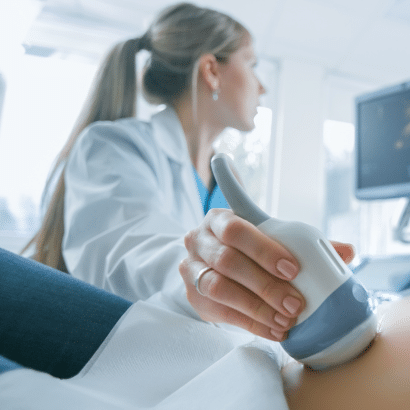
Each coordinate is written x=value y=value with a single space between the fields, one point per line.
x=248 y=283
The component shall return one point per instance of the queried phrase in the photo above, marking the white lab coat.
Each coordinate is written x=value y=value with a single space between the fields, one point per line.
x=130 y=198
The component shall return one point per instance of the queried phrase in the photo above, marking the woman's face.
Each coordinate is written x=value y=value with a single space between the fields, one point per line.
x=240 y=89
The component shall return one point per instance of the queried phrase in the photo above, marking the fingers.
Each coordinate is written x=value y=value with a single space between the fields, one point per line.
x=232 y=264
x=246 y=274
x=248 y=284
x=345 y=250
x=236 y=233
x=224 y=301
x=271 y=256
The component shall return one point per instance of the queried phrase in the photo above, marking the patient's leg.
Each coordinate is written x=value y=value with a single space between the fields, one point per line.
x=378 y=379
x=50 y=321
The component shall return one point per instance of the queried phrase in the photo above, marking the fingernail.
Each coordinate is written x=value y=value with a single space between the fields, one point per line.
x=287 y=268
x=291 y=304
x=279 y=335
x=282 y=320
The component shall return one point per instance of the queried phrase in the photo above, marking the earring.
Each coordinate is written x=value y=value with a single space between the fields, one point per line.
x=215 y=95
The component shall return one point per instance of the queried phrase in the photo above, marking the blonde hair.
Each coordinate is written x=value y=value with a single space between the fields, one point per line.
x=176 y=40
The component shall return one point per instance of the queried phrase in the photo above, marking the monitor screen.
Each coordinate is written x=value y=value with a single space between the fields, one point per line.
x=383 y=143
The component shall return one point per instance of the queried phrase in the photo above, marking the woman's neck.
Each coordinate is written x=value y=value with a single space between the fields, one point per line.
x=200 y=136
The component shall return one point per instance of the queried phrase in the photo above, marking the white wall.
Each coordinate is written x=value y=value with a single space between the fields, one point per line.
x=297 y=151
x=340 y=93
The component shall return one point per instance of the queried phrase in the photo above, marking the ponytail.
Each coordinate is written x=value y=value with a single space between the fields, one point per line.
x=112 y=96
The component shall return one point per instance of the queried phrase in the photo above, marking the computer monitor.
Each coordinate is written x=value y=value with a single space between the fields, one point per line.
x=382 y=147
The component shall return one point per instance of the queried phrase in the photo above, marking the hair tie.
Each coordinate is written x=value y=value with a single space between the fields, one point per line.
x=145 y=42
x=140 y=43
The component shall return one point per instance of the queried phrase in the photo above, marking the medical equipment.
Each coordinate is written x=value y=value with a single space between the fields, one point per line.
x=338 y=322
x=382 y=149
x=386 y=273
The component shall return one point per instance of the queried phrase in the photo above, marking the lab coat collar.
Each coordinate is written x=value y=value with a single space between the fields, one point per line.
x=169 y=135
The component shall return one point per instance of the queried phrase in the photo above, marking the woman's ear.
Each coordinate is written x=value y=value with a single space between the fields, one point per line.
x=209 y=71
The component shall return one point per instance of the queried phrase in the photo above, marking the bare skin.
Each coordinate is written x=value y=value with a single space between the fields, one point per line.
x=378 y=379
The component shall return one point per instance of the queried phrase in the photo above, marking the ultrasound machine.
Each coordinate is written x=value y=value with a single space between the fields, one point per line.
x=382 y=171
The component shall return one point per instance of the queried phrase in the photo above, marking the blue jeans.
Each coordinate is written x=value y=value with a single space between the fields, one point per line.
x=50 y=321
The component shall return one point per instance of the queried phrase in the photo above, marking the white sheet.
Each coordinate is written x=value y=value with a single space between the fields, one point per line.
x=158 y=358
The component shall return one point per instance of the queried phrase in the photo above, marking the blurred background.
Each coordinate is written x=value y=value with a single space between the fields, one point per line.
x=315 y=58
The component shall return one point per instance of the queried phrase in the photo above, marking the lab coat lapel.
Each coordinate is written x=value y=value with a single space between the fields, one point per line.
x=169 y=135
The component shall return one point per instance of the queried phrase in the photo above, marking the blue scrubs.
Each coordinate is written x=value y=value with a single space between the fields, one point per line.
x=210 y=198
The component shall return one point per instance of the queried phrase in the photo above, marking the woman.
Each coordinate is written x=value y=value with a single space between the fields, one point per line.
x=128 y=194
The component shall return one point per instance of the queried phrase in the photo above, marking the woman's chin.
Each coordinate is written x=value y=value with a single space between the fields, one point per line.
x=249 y=127
x=243 y=125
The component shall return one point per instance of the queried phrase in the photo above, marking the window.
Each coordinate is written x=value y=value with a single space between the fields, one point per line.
x=250 y=154
x=251 y=151
x=41 y=100
x=342 y=210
